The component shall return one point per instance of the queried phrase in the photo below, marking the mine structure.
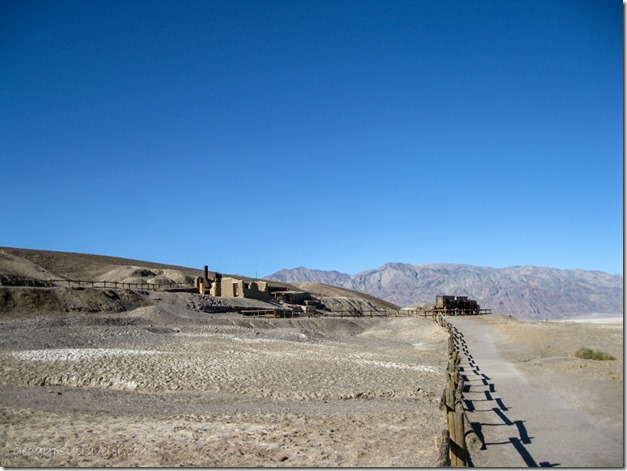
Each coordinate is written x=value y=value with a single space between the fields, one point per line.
x=216 y=285
x=458 y=306
x=288 y=303
x=447 y=305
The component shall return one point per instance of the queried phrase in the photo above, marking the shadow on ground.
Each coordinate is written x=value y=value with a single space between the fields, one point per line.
x=486 y=410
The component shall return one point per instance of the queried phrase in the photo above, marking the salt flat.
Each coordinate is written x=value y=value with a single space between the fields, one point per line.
x=610 y=320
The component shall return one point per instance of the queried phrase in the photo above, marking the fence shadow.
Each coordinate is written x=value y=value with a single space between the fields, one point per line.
x=487 y=410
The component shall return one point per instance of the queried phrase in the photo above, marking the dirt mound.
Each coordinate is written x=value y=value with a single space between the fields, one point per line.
x=38 y=301
x=18 y=271
x=134 y=274
x=14 y=301
x=156 y=315
x=16 y=280
x=326 y=291
x=426 y=336
x=349 y=305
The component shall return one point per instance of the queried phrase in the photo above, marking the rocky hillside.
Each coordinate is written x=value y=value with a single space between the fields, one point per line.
x=527 y=291
x=308 y=275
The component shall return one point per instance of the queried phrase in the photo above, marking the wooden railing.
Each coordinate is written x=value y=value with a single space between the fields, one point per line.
x=269 y=313
x=123 y=285
x=460 y=436
x=433 y=314
x=376 y=313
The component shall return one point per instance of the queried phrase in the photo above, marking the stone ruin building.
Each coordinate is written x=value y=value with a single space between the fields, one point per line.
x=230 y=287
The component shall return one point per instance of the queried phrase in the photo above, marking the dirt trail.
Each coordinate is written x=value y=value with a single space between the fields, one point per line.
x=522 y=420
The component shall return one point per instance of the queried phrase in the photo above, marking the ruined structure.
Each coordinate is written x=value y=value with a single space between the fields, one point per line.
x=226 y=286
x=236 y=288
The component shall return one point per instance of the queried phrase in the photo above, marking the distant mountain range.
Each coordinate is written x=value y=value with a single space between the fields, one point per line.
x=522 y=291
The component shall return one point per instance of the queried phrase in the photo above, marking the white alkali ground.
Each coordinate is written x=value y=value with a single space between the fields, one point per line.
x=299 y=393
x=400 y=366
x=77 y=354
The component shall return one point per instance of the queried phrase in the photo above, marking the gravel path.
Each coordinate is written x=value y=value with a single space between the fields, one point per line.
x=521 y=418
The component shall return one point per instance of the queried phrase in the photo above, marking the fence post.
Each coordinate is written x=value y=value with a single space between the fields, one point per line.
x=457 y=442
x=450 y=400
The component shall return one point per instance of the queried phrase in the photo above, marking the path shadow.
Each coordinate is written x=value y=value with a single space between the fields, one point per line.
x=485 y=409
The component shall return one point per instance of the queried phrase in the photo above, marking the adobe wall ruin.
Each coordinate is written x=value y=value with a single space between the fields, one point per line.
x=230 y=287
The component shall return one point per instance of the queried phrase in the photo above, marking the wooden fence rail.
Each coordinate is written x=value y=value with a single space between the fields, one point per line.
x=123 y=285
x=462 y=436
x=332 y=314
x=276 y=313
x=433 y=314
x=376 y=313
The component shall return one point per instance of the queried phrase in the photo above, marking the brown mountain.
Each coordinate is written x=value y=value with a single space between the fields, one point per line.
x=522 y=291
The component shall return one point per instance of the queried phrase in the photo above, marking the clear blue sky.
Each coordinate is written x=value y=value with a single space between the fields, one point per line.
x=258 y=135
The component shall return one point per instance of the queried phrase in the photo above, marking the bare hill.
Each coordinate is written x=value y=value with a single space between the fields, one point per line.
x=72 y=265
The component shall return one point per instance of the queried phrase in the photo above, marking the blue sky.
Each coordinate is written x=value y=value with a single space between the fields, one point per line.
x=259 y=135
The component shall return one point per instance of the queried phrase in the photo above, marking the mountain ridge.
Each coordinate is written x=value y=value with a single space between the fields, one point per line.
x=522 y=291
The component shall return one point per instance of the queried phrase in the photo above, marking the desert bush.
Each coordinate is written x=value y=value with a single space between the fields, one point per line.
x=589 y=354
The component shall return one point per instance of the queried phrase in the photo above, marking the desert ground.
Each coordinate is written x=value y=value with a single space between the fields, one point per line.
x=224 y=391
x=126 y=377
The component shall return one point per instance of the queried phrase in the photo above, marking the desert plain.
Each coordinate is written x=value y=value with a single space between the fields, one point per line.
x=136 y=378
x=223 y=391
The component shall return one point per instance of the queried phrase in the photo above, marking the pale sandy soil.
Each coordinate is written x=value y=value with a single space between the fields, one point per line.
x=101 y=390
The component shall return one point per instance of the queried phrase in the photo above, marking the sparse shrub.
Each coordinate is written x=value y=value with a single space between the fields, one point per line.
x=589 y=354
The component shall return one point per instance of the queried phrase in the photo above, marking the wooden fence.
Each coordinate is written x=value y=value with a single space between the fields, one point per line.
x=460 y=435
x=285 y=312
x=276 y=313
x=432 y=314
x=333 y=314
x=123 y=285
x=377 y=313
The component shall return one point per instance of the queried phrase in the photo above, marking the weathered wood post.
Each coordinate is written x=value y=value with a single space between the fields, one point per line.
x=472 y=440
x=457 y=442
x=449 y=395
